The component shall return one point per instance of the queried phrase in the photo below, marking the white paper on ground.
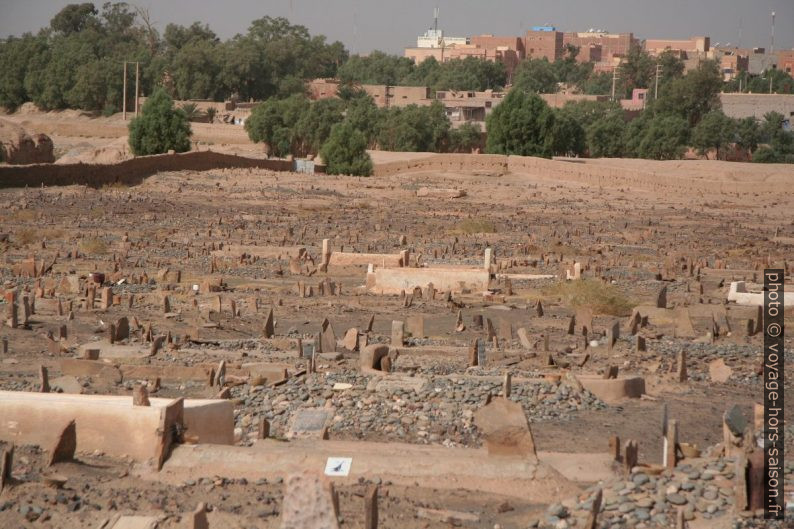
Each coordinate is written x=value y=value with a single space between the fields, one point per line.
x=338 y=466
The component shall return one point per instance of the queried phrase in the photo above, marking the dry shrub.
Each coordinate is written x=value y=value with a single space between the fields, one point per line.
x=96 y=212
x=475 y=225
x=602 y=298
x=27 y=236
x=94 y=245
x=22 y=215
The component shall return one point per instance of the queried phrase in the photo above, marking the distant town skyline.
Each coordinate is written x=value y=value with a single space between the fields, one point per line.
x=364 y=26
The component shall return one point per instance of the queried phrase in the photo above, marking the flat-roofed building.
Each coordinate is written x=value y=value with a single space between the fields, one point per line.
x=490 y=42
x=612 y=44
x=543 y=42
x=785 y=61
x=697 y=46
x=435 y=38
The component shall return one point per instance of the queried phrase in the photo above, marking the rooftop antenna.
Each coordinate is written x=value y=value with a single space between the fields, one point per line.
x=355 y=25
x=772 y=47
x=435 y=18
x=740 y=32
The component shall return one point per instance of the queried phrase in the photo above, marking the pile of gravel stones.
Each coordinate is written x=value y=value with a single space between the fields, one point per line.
x=702 y=488
x=437 y=410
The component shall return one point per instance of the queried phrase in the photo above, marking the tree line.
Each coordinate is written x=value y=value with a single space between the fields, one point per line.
x=299 y=127
x=686 y=114
x=76 y=62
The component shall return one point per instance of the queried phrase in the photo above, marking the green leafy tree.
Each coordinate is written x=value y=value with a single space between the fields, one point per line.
x=160 y=127
x=191 y=111
x=376 y=68
x=314 y=126
x=195 y=70
x=715 y=131
x=781 y=82
x=17 y=57
x=605 y=137
x=345 y=151
x=637 y=69
x=535 y=76
x=273 y=122
x=465 y=138
x=414 y=128
x=603 y=125
x=694 y=95
x=566 y=137
x=74 y=18
x=520 y=125
x=471 y=74
x=658 y=137
x=779 y=142
x=600 y=84
x=748 y=134
x=568 y=70
x=740 y=81
x=365 y=117
x=426 y=73
x=672 y=67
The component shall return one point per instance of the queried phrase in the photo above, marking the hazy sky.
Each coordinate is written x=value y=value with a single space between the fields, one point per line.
x=365 y=25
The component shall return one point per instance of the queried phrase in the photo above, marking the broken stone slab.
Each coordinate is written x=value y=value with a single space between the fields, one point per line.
x=6 y=465
x=65 y=445
x=415 y=325
x=395 y=383
x=350 y=341
x=67 y=384
x=445 y=516
x=310 y=423
x=719 y=372
x=397 y=333
x=136 y=522
x=523 y=337
x=505 y=428
x=735 y=421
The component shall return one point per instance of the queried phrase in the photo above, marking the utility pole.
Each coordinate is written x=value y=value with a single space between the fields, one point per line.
x=656 y=88
x=772 y=47
x=137 y=85
x=614 y=81
x=124 y=95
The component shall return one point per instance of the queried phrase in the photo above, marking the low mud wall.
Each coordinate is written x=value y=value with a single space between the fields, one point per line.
x=605 y=176
x=128 y=172
x=569 y=171
x=445 y=162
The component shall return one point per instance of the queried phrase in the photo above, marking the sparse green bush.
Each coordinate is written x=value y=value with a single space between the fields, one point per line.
x=160 y=127
x=345 y=152
x=602 y=298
